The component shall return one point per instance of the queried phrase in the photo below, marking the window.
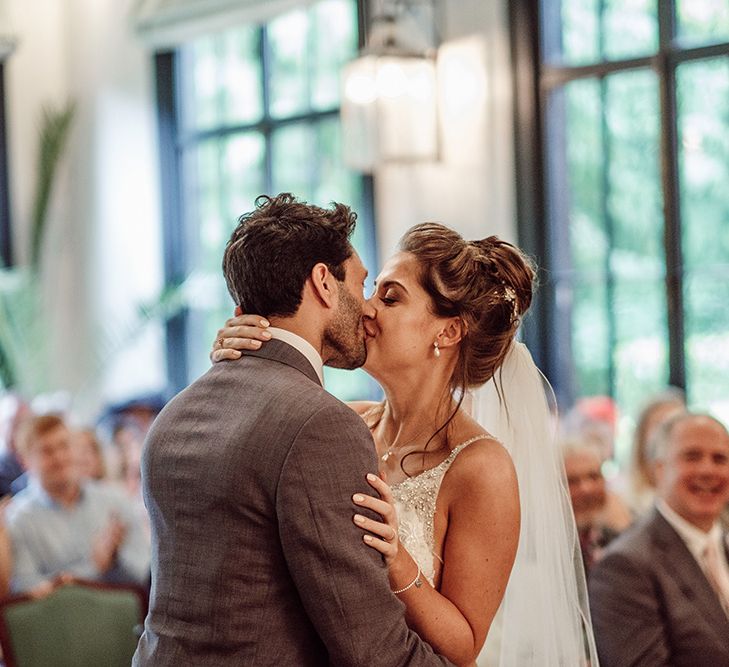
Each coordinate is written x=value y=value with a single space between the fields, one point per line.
x=244 y=112
x=623 y=147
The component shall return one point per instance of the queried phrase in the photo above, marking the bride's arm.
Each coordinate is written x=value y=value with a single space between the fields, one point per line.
x=480 y=496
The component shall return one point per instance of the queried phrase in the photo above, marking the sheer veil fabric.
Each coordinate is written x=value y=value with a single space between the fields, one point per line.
x=544 y=619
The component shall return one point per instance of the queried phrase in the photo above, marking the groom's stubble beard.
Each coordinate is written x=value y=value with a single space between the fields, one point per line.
x=345 y=333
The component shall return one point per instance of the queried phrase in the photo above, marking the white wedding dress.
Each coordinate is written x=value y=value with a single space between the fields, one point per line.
x=544 y=618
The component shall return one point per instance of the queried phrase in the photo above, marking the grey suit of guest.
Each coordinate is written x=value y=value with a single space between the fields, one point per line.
x=248 y=476
x=652 y=605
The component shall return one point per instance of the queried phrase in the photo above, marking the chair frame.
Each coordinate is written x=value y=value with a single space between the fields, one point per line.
x=5 y=643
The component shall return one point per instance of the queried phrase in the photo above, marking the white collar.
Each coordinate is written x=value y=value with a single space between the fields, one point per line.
x=303 y=346
x=695 y=538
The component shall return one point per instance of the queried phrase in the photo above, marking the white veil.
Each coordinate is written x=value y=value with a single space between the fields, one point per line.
x=545 y=617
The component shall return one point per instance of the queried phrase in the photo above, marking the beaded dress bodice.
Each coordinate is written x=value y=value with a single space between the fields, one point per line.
x=415 y=500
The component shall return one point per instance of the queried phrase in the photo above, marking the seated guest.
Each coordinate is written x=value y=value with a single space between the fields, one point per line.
x=641 y=490
x=89 y=454
x=598 y=519
x=64 y=525
x=660 y=595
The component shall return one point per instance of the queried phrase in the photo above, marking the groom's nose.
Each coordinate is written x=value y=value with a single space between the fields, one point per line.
x=368 y=310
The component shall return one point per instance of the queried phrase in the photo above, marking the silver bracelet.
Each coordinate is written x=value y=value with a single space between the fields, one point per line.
x=417 y=582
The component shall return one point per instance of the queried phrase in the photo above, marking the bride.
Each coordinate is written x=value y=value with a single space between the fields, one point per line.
x=474 y=522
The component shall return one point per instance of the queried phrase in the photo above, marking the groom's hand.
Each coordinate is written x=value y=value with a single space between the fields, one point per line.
x=242 y=332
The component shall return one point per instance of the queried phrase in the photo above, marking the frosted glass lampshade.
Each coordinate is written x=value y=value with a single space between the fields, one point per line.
x=388 y=110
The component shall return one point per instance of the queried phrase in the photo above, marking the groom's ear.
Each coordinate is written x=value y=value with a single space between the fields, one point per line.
x=452 y=333
x=324 y=285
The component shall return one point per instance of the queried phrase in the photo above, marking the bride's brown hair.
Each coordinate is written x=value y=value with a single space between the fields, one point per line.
x=488 y=284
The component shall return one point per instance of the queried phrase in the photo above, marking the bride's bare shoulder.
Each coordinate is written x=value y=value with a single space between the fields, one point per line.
x=362 y=407
x=484 y=466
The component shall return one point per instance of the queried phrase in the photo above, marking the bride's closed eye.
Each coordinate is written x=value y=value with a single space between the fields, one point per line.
x=388 y=298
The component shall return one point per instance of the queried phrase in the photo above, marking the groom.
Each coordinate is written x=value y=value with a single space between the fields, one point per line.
x=249 y=473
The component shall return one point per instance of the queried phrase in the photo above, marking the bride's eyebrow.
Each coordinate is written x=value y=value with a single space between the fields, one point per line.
x=393 y=283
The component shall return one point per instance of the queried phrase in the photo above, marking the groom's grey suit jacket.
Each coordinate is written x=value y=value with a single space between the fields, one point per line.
x=248 y=477
x=652 y=605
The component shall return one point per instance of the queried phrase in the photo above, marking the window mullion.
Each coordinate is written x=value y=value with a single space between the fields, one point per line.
x=666 y=71
x=609 y=227
x=267 y=123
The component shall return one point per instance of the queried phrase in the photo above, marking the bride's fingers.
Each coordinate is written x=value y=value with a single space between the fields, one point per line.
x=248 y=320
x=379 y=485
x=242 y=337
x=381 y=507
x=383 y=530
x=387 y=549
x=223 y=354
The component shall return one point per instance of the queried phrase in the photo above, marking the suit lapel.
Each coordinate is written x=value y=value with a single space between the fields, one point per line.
x=277 y=350
x=687 y=572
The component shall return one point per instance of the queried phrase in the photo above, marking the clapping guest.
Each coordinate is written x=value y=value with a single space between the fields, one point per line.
x=13 y=409
x=62 y=524
x=598 y=521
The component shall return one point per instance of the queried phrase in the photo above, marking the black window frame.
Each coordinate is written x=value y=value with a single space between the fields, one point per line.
x=547 y=333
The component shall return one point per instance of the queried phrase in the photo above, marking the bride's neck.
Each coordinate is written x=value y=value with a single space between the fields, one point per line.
x=413 y=415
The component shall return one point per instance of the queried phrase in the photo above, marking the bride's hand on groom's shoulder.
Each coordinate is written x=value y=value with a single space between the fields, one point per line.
x=239 y=333
x=380 y=535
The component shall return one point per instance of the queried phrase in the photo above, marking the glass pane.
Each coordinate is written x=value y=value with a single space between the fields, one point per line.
x=703 y=118
x=334 y=43
x=221 y=82
x=292 y=161
x=641 y=347
x=582 y=200
x=579 y=32
x=223 y=178
x=585 y=168
x=591 y=336
x=707 y=340
x=241 y=177
x=611 y=200
x=288 y=38
x=630 y=28
x=703 y=21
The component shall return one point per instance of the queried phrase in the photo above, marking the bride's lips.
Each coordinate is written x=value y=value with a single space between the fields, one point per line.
x=369 y=329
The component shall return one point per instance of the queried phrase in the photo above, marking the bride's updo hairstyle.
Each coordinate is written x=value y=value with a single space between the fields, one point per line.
x=487 y=284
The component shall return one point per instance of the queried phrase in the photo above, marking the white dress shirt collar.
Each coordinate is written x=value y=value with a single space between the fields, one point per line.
x=303 y=346
x=694 y=538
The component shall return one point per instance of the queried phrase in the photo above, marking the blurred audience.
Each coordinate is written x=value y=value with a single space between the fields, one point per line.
x=62 y=524
x=593 y=418
x=13 y=409
x=6 y=550
x=89 y=455
x=657 y=410
x=600 y=516
x=660 y=594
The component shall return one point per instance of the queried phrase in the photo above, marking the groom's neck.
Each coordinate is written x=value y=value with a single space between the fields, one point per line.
x=304 y=325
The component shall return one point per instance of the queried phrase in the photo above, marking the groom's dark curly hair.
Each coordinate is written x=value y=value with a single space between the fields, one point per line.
x=273 y=249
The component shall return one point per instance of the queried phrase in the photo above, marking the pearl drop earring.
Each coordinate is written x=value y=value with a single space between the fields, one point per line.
x=436 y=349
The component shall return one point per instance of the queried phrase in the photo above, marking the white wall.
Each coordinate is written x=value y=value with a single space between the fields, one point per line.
x=471 y=187
x=103 y=253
